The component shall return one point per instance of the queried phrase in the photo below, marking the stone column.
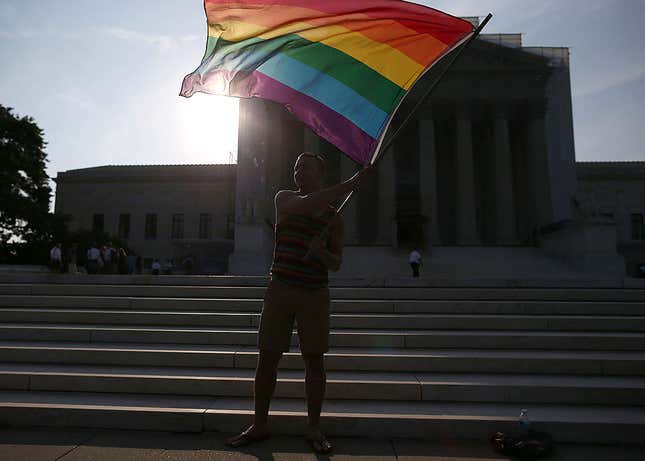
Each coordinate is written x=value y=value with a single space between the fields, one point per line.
x=505 y=195
x=428 y=179
x=253 y=239
x=622 y=218
x=467 y=220
x=539 y=165
x=387 y=198
x=350 y=214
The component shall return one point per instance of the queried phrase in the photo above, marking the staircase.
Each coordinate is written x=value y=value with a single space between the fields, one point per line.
x=404 y=362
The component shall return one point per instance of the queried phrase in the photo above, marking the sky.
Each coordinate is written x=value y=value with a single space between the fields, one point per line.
x=102 y=78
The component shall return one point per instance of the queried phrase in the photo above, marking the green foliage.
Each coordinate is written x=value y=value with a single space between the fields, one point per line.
x=25 y=221
x=36 y=249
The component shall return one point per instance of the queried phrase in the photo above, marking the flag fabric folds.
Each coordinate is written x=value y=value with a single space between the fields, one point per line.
x=341 y=66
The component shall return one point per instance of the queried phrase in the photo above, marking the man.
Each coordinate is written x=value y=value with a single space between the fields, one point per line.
x=108 y=253
x=72 y=258
x=308 y=243
x=56 y=258
x=188 y=264
x=93 y=259
x=156 y=267
x=415 y=262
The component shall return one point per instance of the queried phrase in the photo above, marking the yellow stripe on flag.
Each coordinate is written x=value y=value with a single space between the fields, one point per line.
x=387 y=61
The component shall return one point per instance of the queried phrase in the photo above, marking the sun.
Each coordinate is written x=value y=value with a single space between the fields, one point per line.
x=209 y=128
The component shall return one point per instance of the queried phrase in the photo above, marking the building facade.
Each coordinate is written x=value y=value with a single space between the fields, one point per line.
x=487 y=161
x=485 y=167
x=162 y=212
x=174 y=211
x=616 y=191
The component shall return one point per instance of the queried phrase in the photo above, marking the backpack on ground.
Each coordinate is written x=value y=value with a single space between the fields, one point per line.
x=533 y=445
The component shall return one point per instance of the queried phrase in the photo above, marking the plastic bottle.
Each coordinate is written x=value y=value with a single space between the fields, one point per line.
x=524 y=421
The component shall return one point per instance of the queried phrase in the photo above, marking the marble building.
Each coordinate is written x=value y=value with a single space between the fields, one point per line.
x=160 y=211
x=615 y=192
x=487 y=161
x=483 y=179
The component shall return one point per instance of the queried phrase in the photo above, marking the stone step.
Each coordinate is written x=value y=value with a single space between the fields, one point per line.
x=341 y=385
x=362 y=292
x=414 y=339
x=441 y=275
x=424 y=420
x=337 y=359
x=611 y=308
x=338 y=320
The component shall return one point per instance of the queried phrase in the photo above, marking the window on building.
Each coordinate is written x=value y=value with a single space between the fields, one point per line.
x=177 y=231
x=124 y=226
x=638 y=230
x=205 y=226
x=151 y=226
x=98 y=223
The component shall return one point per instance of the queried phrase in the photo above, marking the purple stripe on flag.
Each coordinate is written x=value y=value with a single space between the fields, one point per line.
x=324 y=121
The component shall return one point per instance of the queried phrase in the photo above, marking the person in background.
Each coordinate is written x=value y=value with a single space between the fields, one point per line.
x=168 y=266
x=72 y=257
x=109 y=255
x=122 y=261
x=139 y=264
x=188 y=264
x=156 y=267
x=93 y=259
x=56 y=258
x=415 y=262
x=132 y=262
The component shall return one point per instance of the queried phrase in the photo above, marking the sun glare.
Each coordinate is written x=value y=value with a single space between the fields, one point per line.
x=209 y=129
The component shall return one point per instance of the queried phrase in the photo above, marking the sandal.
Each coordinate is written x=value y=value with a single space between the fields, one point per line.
x=244 y=439
x=320 y=446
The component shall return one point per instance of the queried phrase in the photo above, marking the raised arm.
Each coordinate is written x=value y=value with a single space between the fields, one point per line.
x=288 y=202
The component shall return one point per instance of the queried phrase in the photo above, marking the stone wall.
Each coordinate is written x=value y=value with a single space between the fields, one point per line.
x=160 y=190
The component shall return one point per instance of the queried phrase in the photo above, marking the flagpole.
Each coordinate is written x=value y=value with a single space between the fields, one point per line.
x=381 y=147
x=431 y=89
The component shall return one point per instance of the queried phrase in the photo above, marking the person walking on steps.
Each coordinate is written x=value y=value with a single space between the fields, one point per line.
x=308 y=244
x=415 y=262
x=56 y=258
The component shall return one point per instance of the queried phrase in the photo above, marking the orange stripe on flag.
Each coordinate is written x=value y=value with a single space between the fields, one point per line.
x=422 y=48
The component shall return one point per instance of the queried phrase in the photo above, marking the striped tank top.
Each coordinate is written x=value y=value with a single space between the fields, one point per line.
x=292 y=238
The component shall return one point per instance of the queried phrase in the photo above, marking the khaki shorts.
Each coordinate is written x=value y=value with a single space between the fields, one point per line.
x=284 y=303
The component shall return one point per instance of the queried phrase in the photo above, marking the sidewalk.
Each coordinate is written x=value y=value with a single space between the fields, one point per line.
x=43 y=444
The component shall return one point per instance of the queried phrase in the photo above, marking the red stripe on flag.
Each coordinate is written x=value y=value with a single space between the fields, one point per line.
x=422 y=19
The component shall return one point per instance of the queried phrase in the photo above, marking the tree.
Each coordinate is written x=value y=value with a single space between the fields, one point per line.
x=24 y=185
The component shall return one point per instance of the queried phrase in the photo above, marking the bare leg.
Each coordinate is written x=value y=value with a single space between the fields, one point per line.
x=315 y=381
x=265 y=380
x=266 y=375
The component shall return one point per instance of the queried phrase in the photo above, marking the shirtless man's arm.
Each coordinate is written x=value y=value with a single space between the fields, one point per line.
x=289 y=202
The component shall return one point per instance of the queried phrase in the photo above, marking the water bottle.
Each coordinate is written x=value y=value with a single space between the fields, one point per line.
x=524 y=421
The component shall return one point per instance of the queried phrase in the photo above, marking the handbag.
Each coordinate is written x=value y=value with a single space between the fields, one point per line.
x=532 y=445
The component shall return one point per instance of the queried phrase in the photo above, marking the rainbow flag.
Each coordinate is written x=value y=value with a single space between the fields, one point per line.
x=341 y=66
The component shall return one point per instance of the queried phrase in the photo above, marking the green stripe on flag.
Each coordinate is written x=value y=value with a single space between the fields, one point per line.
x=365 y=81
